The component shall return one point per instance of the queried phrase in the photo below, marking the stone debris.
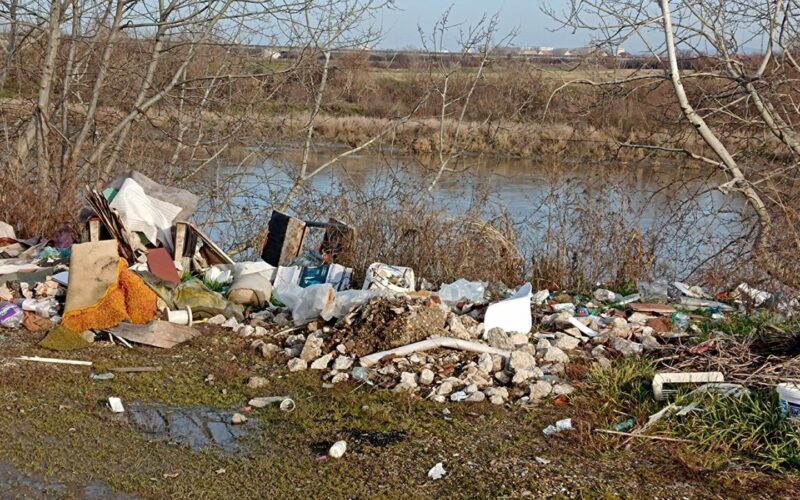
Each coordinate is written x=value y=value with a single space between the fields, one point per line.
x=297 y=365
x=534 y=370
x=257 y=383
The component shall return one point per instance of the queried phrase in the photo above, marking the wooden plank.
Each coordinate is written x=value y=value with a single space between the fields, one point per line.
x=157 y=334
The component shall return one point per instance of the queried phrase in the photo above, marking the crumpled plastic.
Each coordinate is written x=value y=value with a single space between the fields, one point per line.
x=470 y=291
x=307 y=303
x=656 y=292
x=193 y=294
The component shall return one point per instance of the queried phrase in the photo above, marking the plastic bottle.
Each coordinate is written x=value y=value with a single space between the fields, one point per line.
x=680 y=321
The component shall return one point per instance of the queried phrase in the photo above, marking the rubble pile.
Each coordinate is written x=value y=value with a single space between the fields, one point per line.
x=147 y=276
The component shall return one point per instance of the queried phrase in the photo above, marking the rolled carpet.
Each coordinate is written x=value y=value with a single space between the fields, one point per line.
x=102 y=292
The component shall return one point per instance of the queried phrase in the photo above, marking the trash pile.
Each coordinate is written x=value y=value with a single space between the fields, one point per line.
x=146 y=275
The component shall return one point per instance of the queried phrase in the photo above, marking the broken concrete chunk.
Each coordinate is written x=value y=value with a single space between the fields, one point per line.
x=217 y=320
x=556 y=355
x=521 y=361
x=485 y=362
x=321 y=363
x=496 y=337
x=257 y=382
x=342 y=363
x=297 y=365
x=626 y=347
x=426 y=377
x=563 y=389
x=539 y=390
x=312 y=348
x=566 y=342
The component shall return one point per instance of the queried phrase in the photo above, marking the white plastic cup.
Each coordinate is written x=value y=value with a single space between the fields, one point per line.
x=180 y=317
x=789 y=399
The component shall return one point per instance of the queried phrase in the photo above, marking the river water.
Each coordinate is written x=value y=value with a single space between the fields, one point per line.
x=682 y=205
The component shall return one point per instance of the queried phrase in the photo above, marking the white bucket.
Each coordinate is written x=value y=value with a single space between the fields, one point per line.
x=789 y=395
x=180 y=317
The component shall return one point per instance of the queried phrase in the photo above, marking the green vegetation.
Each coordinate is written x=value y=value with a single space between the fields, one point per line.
x=749 y=429
x=623 y=390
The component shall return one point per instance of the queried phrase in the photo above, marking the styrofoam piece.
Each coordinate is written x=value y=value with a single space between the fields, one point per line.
x=662 y=379
x=512 y=314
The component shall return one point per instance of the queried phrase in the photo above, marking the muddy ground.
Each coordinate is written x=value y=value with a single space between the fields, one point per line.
x=60 y=440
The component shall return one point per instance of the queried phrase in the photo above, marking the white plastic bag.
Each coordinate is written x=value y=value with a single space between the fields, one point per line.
x=307 y=303
x=346 y=301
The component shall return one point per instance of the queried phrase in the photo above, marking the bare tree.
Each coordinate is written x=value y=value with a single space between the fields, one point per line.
x=736 y=103
x=477 y=44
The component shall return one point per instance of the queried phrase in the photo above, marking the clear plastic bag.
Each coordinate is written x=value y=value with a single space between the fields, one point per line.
x=470 y=291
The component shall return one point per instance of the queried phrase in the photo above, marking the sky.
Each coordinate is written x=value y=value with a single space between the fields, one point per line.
x=533 y=27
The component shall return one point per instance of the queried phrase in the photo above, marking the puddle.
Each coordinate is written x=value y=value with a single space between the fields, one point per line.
x=197 y=427
x=358 y=439
x=15 y=483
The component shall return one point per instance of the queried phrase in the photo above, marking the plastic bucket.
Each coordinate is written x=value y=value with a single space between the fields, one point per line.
x=789 y=399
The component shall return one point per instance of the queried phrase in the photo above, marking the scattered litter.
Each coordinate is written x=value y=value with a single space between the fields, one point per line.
x=136 y=369
x=286 y=403
x=102 y=376
x=789 y=399
x=393 y=278
x=238 y=419
x=437 y=471
x=542 y=461
x=560 y=426
x=157 y=333
x=181 y=317
x=462 y=290
x=115 y=404
x=628 y=423
x=663 y=382
x=338 y=449
x=54 y=360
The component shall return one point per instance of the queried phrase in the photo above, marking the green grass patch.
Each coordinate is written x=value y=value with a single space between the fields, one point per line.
x=749 y=429
x=624 y=389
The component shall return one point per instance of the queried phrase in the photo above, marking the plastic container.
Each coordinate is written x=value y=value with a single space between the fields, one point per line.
x=181 y=316
x=789 y=400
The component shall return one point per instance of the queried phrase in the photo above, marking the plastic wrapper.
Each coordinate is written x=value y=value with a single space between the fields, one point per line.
x=11 y=315
x=656 y=292
x=46 y=308
x=462 y=290
x=348 y=300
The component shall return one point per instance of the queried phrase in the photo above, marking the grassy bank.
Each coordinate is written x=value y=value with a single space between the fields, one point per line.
x=54 y=422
